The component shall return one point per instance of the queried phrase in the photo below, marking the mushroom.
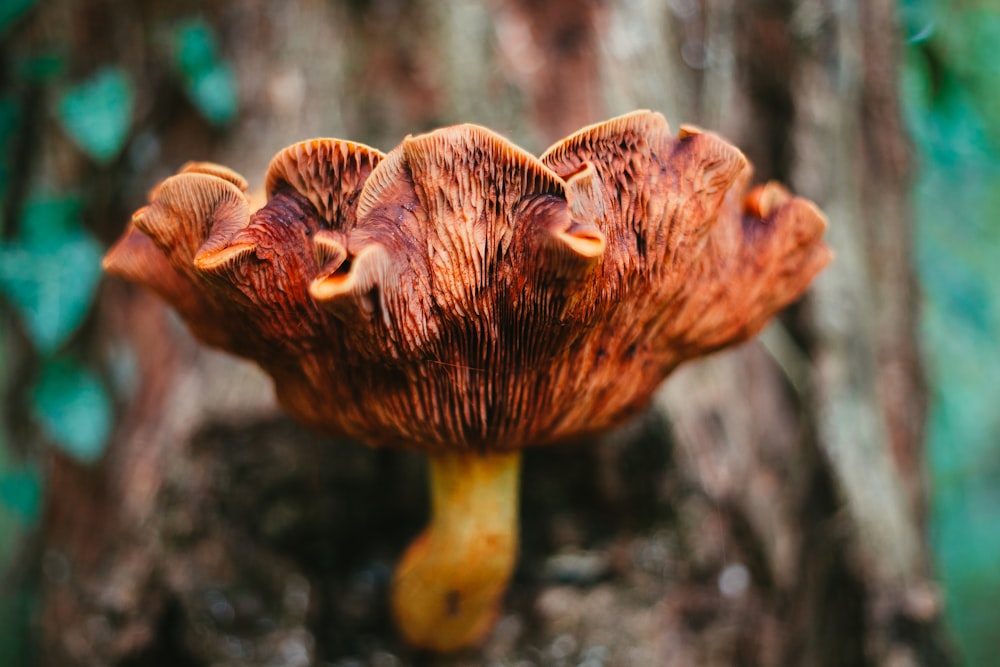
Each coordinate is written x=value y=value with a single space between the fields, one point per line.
x=464 y=298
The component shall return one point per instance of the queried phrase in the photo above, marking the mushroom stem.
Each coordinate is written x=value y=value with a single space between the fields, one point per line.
x=449 y=584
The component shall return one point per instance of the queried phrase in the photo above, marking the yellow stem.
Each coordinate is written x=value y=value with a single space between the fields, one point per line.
x=450 y=582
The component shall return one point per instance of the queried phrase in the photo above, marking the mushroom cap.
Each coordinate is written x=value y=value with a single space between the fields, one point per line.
x=460 y=293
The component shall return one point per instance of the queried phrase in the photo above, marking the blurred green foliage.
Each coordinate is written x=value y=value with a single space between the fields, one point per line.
x=97 y=113
x=41 y=67
x=20 y=488
x=208 y=80
x=11 y=11
x=73 y=408
x=50 y=270
x=952 y=95
x=50 y=264
x=20 y=505
x=10 y=114
x=20 y=510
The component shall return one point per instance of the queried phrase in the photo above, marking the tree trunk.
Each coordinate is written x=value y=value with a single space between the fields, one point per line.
x=768 y=508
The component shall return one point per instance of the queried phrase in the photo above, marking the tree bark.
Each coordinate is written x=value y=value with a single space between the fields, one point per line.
x=768 y=508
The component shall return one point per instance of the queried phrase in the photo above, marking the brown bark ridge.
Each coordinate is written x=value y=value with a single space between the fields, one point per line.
x=767 y=510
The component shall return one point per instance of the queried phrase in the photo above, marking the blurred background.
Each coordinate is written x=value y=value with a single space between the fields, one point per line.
x=826 y=495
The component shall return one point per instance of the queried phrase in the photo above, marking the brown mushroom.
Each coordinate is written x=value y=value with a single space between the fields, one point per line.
x=461 y=297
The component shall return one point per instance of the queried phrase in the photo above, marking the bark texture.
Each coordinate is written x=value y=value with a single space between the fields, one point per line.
x=767 y=509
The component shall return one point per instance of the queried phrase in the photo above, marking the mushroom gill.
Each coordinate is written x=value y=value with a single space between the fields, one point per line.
x=462 y=297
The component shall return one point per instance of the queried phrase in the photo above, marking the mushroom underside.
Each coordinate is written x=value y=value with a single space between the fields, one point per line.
x=460 y=296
